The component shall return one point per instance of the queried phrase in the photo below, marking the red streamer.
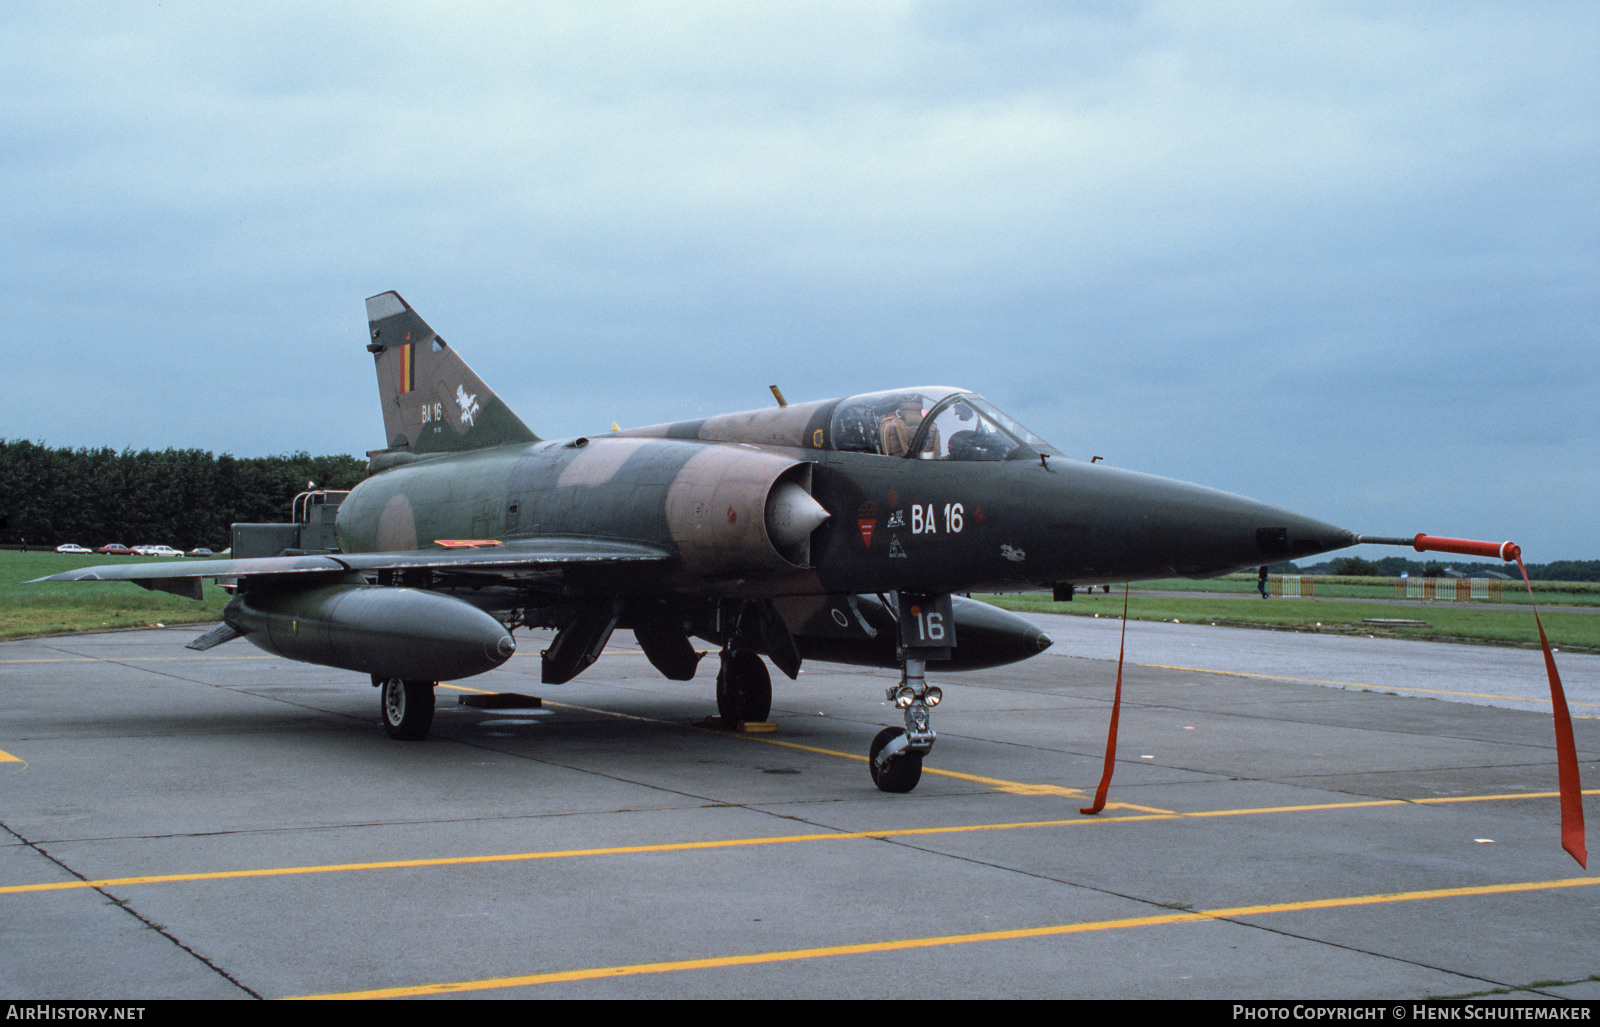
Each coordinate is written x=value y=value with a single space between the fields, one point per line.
x=1116 y=709
x=1571 y=788
x=1572 y=833
x=1573 y=838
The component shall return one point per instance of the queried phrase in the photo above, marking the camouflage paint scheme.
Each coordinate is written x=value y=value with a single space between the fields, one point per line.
x=812 y=530
x=696 y=488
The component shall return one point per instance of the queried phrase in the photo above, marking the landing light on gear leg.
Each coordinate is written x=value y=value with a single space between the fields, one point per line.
x=895 y=759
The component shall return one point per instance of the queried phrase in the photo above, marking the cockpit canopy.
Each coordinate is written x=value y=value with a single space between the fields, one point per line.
x=933 y=423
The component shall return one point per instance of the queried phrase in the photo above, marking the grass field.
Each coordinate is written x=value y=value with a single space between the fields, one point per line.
x=54 y=607
x=1442 y=621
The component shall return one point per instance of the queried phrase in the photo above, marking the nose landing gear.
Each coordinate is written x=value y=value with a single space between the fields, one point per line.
x=927 y=631
x=895 y=759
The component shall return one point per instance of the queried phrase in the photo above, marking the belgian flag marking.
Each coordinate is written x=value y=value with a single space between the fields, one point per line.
x=408 y=368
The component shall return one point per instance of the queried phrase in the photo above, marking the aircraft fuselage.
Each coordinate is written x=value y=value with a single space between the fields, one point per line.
x=893 y=523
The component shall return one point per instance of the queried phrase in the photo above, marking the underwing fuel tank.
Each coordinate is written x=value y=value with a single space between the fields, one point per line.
x=861 y=630
x=388 y=632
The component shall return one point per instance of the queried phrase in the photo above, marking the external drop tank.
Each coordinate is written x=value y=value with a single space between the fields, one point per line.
x=383 y=631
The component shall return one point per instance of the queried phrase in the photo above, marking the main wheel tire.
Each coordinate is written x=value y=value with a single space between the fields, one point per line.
x=902 y=773
x=407 y=708
x=744 y=688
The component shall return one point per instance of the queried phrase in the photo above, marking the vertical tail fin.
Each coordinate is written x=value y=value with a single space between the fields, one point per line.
x=432 y=401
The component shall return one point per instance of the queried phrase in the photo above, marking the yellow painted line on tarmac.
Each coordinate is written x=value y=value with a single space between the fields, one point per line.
x=6 y=757
x=937 y=941
x=1358 y=684
x=1432 y=800
x=749 y=842
x=522 y=857
x=999 y=784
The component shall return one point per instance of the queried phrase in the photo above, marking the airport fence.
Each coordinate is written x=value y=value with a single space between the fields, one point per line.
x=1291 y=586
x=1449 y=589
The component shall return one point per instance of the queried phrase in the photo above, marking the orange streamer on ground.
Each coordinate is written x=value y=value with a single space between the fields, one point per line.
x=1572 y=831
x=1116 y=709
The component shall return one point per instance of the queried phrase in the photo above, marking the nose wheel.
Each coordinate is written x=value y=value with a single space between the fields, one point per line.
x=895 y=758
x=893 y=765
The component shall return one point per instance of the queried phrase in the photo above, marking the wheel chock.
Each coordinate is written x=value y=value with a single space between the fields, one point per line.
x=749 y=727
x=501 y=701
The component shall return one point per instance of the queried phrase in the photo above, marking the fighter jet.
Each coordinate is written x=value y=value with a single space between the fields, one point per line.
x=841 y=530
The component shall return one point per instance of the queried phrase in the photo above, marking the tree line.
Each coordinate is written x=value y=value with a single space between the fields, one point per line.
x=190 y=497
x=176 y=497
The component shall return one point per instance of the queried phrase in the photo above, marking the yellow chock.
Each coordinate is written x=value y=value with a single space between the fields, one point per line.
x=749 y=727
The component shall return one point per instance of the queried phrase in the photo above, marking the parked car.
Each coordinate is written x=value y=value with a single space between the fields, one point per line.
x=202 y=551
x=71 y=547
x=165 y=552
x=115 y=549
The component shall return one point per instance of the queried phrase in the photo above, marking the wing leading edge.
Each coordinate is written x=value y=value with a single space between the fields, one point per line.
x=509 y=561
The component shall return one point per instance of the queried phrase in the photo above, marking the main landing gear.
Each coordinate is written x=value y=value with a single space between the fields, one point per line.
x=744 y=687
x=926 y=631
x=407 y=707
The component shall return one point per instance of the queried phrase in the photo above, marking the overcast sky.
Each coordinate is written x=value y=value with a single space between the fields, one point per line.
x=1340 y=257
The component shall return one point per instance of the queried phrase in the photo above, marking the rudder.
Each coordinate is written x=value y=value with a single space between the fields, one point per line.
x=432 y=401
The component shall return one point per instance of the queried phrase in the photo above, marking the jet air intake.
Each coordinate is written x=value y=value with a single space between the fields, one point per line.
x=792 y=515
x=387 y=632
x=735 y=511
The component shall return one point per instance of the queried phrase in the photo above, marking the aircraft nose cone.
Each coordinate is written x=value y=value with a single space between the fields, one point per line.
x=1150 y=527
x=1281 y=535
x=1237 y=532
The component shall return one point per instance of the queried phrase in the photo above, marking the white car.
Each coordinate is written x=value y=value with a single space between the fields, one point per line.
x=162 y=551
x=70 y=547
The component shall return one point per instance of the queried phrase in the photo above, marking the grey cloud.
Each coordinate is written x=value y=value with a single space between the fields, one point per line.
x=1226 y=242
